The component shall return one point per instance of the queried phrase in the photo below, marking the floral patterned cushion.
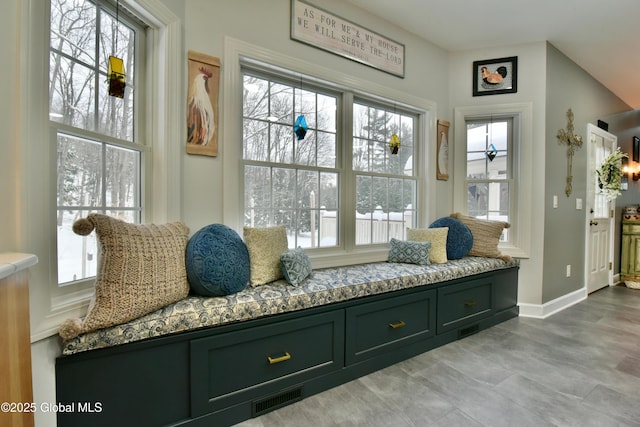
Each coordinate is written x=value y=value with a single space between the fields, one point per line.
x=324 y=287
x=296 y=266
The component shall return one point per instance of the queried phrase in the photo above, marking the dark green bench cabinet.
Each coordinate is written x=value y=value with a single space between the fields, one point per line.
x=225 y=374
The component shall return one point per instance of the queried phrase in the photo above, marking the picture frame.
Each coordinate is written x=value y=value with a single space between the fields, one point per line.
x=442 y=151
x=202 y=104
x=495 y=76
x=636 y=149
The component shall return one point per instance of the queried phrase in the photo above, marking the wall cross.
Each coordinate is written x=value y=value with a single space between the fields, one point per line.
x=573 y=142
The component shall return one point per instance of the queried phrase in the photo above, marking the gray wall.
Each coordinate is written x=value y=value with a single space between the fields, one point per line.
x=568 y=86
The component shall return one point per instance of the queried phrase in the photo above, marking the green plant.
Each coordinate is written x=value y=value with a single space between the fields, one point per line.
x=610 y=174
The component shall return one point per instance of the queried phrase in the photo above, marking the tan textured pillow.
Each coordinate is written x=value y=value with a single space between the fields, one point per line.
x=438 y=239
x=141 y=268
x=265 y=246
x=486 y=236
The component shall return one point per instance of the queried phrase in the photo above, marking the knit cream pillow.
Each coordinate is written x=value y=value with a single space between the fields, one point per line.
x=265 y=246
x=438 y=239
x=141 y=268
x=486 y=236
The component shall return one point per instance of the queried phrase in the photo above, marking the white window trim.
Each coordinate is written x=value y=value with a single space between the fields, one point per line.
x=235 y=51
x=37 y=201
x=520 y=247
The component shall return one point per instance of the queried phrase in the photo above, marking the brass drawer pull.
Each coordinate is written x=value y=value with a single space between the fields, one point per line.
x=470 y=303
x=274 y=360
x=400 y=324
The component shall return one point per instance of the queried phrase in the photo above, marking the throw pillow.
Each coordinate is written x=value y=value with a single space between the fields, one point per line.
x=141 y=268
x=409 y=252
x=217 y=261
x=438 y=239
x=459 y=237
x=296 y=266
x=486 y=236
x=265 y=246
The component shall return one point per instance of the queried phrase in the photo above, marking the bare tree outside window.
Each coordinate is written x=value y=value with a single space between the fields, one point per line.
x=98 y=157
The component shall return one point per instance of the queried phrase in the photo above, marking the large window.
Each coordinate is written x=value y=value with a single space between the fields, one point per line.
x=336 y=186
x=99 y=146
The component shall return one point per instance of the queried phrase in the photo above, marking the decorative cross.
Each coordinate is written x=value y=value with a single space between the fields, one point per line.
x=573 y=141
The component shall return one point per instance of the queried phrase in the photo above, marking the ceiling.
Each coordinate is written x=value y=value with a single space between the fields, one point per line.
x=601 y=37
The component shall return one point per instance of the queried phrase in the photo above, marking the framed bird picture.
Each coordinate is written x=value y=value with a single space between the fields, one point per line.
x=202 y=104
x=495 y=76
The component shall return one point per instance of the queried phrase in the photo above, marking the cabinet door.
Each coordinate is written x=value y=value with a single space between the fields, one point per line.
x=634 y=251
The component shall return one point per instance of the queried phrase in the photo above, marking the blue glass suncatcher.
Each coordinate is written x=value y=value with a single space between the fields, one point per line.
x=300 y=127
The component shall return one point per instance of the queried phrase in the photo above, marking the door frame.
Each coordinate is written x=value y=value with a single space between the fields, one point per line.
x=592 y=129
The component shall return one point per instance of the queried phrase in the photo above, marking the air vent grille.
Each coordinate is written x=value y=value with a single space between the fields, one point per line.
x=276 y=401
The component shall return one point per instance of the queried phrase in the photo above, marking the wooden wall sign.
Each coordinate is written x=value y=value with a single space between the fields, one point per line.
x=322 y=29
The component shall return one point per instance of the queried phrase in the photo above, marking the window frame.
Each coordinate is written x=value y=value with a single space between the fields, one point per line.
x=50 y=304
x=519 y=243
x=241 y=54
x=137 y=141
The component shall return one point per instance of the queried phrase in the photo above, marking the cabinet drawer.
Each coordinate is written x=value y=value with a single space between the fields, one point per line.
x=380 y=326
x=226 y=368
x=462 y=305
x=631 y=228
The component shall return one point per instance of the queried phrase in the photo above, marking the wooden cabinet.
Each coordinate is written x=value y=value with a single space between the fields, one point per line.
x=16 y=388
x=630 y=250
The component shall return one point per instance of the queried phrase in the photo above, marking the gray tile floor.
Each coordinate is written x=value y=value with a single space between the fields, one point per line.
x=579 y=367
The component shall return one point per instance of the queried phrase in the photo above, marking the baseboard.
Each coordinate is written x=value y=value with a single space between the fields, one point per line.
x=542 y=311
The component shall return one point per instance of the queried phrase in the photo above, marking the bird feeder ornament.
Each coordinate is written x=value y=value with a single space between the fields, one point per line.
x=116 y=77
x=394 y=144
x=300 y=127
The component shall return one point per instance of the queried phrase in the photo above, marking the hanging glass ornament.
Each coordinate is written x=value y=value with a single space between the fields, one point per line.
x=492 y=152
x=300 y=127
x=116 y=77
x=394 y=144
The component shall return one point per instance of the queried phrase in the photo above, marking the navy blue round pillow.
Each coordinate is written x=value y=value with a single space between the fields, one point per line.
x=217 y=261
x=459 y=237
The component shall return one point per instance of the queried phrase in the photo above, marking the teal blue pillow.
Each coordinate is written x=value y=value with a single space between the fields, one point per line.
x=296 y=266
x=459 y=237
x=409 y=252
x=217 y=261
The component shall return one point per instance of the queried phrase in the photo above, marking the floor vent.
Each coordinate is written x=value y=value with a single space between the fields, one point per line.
x=468 y=331
x=276 y=401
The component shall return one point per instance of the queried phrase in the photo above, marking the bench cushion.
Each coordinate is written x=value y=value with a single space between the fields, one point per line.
x=325 y=286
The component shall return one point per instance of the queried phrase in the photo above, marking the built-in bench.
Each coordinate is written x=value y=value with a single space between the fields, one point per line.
x=220 y=360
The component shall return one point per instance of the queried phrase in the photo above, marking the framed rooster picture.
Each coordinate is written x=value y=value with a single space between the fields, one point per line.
x=202 y=104
x=495 y=76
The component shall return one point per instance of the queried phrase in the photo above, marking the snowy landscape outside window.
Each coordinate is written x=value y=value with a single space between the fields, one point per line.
x=333 y=179
x=99 y=148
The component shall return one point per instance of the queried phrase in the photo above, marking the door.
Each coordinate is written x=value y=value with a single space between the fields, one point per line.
x=599 y=218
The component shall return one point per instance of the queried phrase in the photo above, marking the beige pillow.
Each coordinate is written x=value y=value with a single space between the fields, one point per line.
x=438 y=239
x=486 y=236
x=265 y=246
x=141 y=268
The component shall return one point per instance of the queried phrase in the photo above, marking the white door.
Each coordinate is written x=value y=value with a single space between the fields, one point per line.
x=600 y=226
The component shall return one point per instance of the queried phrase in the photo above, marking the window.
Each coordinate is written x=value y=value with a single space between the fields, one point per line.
x=489 y=169
x=335 y=178
x=100 y=149
x=386 y=187
x=493 y=167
